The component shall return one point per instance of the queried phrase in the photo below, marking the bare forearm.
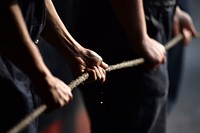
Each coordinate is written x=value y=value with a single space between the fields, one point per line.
x=131 y=15
x=17 y=45
x=57 y=34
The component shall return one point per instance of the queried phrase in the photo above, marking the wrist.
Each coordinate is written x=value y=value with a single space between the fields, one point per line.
x=138 y=40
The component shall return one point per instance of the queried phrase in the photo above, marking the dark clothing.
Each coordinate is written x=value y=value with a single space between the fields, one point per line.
x=17 y=98
x=176 y=64
x=34 y=14
x=132 y=100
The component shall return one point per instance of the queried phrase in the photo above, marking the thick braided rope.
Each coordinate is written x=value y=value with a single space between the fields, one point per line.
x=74 y=83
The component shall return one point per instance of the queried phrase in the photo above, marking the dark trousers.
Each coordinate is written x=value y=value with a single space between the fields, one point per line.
x=132 y=100
x=16 y=98
x=176 y=64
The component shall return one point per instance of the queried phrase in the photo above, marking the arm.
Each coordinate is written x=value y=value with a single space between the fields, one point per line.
x=183 y=24
x=80 y=59
x=131 y=15
x=17 y=45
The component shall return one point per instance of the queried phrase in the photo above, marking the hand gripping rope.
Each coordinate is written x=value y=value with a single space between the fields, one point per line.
x=74 y=83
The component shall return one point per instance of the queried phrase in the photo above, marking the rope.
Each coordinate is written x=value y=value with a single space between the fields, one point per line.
x=74 y=83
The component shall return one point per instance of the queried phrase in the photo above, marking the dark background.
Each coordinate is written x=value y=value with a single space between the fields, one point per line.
x=184 y=117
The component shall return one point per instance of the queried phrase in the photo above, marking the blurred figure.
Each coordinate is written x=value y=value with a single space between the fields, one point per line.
x=24 y=75
x=131 y=99
x=72 y=118
x=176 y=64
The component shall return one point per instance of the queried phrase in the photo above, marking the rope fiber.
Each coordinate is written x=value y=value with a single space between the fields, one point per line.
x=74 y=83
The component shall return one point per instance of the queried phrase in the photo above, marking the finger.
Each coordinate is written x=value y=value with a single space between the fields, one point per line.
x=61 y=102
x=187 y=36
x=82 y=68
x=67 y=91
x=98 y=73
x=160 y=56
x=159 y=59
x=92 y=74
x=163 y=55
x=193 y=29
x=103 y=65
x=103 y=74
x=64 y=97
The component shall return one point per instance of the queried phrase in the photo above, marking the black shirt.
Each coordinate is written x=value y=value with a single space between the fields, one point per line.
x=34 y=14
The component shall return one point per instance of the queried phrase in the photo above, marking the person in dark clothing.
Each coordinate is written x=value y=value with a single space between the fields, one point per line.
x=176 y=64
x=23 y=74
x=132 y=100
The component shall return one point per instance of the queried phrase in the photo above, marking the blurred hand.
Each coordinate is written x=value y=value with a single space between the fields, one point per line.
x=89 y=61
x=53 y=92
x=183 y=24
x=152 y=51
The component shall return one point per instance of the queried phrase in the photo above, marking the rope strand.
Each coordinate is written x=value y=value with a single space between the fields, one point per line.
x=74 y=83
